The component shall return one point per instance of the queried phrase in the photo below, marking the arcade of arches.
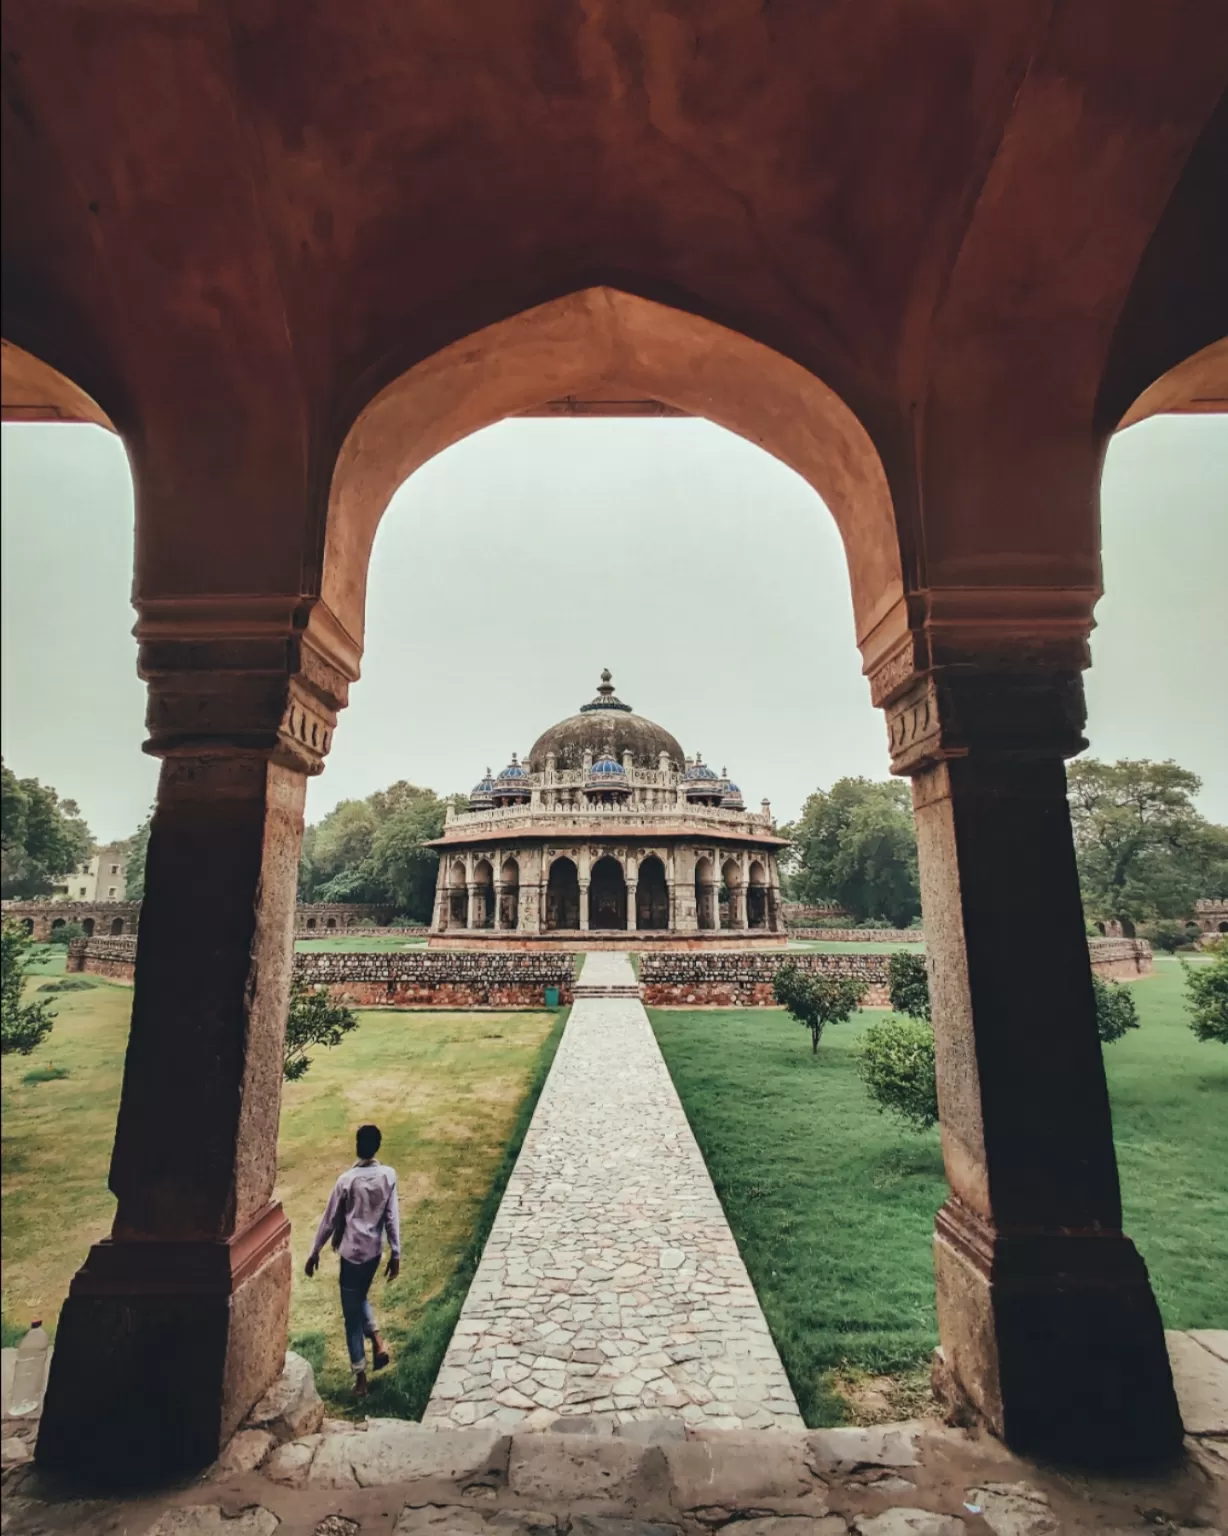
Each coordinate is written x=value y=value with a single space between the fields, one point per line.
x=613 y=830
x=933 y=291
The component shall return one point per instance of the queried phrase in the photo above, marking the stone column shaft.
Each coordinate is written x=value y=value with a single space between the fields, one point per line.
x=1048 y=1324
x=176 y=1324
x=632 y=888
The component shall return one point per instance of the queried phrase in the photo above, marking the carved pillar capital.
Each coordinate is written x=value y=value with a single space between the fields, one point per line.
x=955 y=712
x=249 y=675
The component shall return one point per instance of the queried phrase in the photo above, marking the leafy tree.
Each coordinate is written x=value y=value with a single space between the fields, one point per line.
x=855 y=845
x=1144 y=851
x=909 y=985
x=42 y=837
x=1170 y=936
x=374 y=850
x=136 y=851
x=1206 y=987
x=1116 y=1011
x=816 y=1000
x=314 y=1020
x=23 y=1026
x=895 y=1061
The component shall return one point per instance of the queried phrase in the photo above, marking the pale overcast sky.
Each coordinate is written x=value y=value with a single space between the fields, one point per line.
x=512 y=568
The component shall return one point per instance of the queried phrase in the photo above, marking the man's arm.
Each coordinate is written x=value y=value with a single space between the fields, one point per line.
x=392 y=1220
x=325 y=1230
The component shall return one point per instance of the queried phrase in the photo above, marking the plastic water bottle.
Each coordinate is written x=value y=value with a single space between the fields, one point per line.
x=30 y=1372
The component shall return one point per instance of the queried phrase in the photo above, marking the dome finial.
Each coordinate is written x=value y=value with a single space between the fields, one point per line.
x=607 y=681
x=606 y=698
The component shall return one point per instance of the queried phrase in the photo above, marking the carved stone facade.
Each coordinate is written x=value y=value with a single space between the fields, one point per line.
x=608 y=828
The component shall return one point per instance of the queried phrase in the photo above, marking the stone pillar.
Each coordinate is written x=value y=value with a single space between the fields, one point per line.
x=472 y=905
x=583 y=906
x=176 y=1324
x=500 y=892
x=1048 y=1324
x=632 y=887
x=442 y=902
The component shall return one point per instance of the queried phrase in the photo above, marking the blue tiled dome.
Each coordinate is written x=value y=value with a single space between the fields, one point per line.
x=480 y=794
x=607 y=767
x=732 y=798
x=698 y=771
x=513 y=772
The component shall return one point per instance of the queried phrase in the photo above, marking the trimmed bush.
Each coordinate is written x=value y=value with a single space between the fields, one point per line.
x=1115 y=1010
x=896 y=1063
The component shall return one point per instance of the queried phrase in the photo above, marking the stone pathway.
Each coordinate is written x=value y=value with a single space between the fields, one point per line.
x=611 y=1285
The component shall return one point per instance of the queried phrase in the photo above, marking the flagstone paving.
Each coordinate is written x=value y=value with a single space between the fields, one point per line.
x=611 y=1285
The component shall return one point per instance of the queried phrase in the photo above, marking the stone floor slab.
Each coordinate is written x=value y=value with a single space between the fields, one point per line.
x=611 y=1284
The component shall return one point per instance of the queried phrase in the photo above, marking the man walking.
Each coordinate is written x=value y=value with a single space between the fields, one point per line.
x=362 y=1206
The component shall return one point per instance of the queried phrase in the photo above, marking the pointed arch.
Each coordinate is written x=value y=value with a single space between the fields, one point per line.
x=594 y=341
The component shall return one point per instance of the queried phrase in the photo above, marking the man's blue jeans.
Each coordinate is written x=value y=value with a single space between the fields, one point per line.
x=356 y=1309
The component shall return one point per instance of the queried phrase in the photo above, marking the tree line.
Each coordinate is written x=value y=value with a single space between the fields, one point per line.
x=1145 y=853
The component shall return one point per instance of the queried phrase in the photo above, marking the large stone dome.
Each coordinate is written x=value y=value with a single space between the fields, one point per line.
x=605 y=726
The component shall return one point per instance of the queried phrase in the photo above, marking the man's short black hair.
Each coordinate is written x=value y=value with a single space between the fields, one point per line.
x=368 y=1140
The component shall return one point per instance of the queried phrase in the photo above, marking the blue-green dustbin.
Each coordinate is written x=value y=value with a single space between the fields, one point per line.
x=552 y=997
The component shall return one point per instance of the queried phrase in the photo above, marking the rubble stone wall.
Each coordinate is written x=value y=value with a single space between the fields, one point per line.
x=1116 y=959
x=732 y=980
x=861 y=935
x=440 y=978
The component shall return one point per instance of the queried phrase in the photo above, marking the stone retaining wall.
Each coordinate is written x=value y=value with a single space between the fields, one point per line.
x=745 y=980
x=1120 y=958
x=440 y=978
x=115 y=958
x=861 y=935
x=414 y=931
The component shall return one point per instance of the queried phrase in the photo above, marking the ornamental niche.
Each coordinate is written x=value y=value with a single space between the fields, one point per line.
x=606 y=827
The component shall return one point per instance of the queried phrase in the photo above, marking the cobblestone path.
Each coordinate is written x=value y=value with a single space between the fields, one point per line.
x=611 y=1284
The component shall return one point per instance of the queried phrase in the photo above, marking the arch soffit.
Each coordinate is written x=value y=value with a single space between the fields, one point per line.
x=602 y=339
x=31 y=390
x=1195 y=386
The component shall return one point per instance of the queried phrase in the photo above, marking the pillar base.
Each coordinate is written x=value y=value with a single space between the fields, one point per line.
x=1054 y=1342
x=162 y=1349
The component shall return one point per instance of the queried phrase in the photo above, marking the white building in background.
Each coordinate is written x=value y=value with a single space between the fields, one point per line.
x=100 y=878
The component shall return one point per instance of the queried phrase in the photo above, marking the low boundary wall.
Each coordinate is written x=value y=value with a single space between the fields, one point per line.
x=685 y=980
x=861 y=935
x=386 y=979
x=1119 y=959
x=494 y=978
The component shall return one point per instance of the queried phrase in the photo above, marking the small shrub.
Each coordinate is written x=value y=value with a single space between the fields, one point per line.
x=1206 y=987
x=46 y=1075
x=23 y=1026
x=816 y=1000
x=66 y=933
x=68 y=984
x=909 y=984
x=1116 y=1011
x=314 y=1019
x=895 y=1061
x=1170 y=936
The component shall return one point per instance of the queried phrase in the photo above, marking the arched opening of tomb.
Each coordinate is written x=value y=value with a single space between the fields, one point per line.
x=1223 y=928
x=757 y=896
x=311 y=922
x=117 y=927
x=563 y=896
x=707 y=894
x=27 y=924
x=351 y=921
x=652 y=895
x=87 y=925
x=483 y=895
x=731 y=894
x=458 y=897
x=56 y=923
x=509 y=895
x=607 y=895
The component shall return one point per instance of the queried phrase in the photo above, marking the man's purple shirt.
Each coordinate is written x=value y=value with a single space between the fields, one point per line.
x=367 y=1195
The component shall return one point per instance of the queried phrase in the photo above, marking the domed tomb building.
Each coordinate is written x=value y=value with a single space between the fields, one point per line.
x=608 y=828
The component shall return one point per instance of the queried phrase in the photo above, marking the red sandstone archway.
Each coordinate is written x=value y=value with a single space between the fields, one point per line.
x=602 y=341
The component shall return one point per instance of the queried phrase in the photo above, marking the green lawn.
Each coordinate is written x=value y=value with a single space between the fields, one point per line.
x=833 y=1206
x=451 y=1091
